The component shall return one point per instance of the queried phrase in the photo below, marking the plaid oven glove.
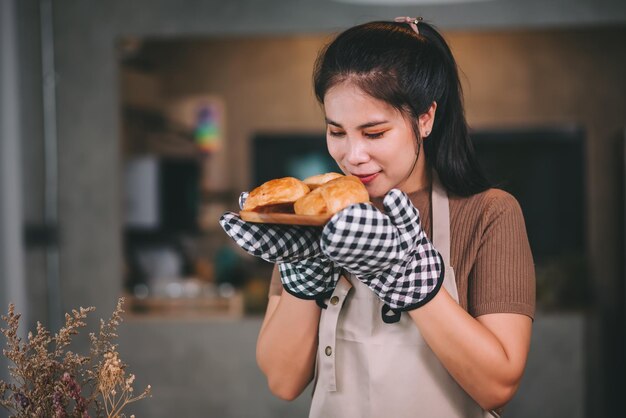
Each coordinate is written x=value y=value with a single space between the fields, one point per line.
x=304 y=270
x=389 y=252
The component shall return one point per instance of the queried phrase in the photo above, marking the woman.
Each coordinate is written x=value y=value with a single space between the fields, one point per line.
x=425 y=301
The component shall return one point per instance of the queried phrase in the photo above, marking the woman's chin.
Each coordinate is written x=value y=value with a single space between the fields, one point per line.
x=376 y=192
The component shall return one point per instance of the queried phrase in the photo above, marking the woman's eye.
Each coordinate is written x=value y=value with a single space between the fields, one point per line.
x=374 y=135
x=337 y=134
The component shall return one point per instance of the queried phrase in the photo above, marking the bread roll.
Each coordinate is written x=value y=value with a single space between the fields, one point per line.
x=311 y=204
x=317 y=180
x=333 y=196
x=277 y=193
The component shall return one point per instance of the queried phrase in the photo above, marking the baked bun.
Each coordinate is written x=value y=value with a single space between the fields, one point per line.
x=332 y=196
x=276 y=195
x=317 y=180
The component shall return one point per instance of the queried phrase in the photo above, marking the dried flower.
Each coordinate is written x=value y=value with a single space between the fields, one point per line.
x=51 y=381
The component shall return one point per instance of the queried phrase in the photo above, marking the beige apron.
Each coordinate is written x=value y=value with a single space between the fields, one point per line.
x=368 y=368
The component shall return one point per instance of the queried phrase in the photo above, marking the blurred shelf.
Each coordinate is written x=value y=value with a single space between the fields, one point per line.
x=220 y=196
x=185 y=308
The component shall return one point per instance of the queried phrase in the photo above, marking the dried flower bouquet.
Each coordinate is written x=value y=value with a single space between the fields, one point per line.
x=49 y=380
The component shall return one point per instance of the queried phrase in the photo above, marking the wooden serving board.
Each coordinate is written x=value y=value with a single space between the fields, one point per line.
x=284 y=218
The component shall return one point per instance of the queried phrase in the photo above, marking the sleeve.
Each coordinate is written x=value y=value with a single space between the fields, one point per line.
x=502 y=279
x=276 y=286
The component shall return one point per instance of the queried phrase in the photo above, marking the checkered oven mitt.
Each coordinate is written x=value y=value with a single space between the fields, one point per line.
x=304 y=270
x=388 y=251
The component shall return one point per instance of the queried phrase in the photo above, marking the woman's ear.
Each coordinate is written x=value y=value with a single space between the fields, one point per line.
x=426 y=120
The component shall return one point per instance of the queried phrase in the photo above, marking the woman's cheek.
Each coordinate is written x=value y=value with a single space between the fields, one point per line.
x=335 y=151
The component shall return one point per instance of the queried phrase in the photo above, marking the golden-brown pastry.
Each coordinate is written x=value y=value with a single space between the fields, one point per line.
x=317 y=180
x=333 y=196
x=311 y=204
x=276 y=195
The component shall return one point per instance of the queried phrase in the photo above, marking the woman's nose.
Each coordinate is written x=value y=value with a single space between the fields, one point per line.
x=357 y=152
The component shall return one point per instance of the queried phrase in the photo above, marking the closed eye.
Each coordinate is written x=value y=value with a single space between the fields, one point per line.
x=374 y=135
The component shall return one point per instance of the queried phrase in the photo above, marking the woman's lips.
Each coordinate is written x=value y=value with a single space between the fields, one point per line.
x=367 y=178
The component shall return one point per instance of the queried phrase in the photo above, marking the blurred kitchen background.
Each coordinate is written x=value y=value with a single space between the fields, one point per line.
x=128 y=127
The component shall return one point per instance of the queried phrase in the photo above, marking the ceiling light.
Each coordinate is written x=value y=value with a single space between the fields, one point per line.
x=408 y=2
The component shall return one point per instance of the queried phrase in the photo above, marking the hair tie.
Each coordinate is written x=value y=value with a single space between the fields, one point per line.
x=412 y=21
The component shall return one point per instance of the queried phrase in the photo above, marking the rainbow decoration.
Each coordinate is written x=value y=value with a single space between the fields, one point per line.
x=207 y=133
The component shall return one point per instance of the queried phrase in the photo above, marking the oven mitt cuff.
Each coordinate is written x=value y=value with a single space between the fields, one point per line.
x=310 y=279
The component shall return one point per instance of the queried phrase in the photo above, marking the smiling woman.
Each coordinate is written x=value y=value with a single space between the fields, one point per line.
x=373 y=310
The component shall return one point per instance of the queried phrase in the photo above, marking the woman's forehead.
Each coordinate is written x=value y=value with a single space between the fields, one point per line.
x=347 y=101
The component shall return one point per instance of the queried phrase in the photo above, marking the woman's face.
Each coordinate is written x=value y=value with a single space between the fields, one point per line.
x=372 y=140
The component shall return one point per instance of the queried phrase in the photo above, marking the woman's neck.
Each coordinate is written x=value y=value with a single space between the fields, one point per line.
x=420 y=179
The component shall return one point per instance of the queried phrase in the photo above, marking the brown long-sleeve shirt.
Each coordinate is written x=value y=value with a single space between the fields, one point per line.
x=489 y=252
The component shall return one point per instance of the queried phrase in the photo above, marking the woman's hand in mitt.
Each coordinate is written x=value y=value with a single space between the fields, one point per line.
x=304 y=270
x=388 y=251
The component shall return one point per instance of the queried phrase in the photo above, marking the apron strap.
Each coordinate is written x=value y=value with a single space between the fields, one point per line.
x=440 y=214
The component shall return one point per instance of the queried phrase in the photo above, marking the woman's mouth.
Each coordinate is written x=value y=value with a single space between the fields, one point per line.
x=367 y=178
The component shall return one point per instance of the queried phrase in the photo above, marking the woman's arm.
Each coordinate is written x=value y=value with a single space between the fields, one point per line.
x=485 y=355
x=287 y=344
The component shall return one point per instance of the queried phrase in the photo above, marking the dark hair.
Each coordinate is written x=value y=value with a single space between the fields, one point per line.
x=391 y=62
